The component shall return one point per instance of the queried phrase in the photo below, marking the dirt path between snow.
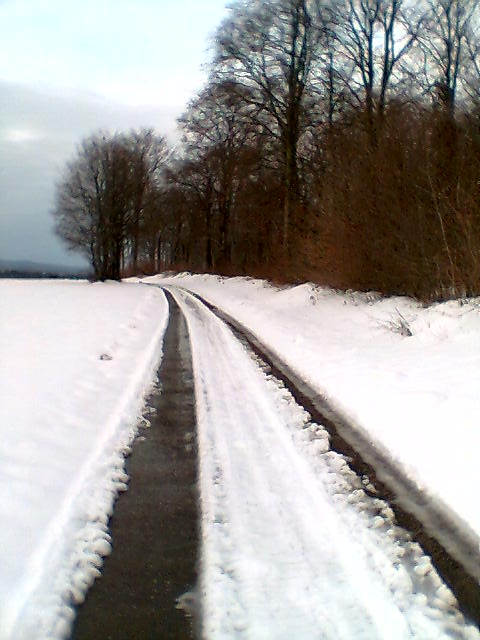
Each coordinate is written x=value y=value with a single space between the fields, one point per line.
x=154 y=526
x=453 y=551
x=292 y=544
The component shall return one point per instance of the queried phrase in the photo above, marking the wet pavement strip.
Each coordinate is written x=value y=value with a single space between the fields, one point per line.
x=453 y=552
x=154 y=528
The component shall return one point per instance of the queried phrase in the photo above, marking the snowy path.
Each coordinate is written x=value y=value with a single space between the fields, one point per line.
x=292 y=547
x=394 y=388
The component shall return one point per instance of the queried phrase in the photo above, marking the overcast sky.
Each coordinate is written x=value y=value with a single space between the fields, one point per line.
x=70 y=67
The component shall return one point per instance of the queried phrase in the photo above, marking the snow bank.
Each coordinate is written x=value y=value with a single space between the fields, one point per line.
x=416 y=394
x=77 y=360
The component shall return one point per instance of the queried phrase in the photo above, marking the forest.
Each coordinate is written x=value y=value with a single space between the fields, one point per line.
x=335 y=141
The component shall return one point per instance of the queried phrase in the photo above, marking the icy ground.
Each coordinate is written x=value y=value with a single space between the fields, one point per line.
x=75 y=362
x=278 y=508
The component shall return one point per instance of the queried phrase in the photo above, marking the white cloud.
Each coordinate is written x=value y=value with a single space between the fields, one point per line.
x=116 y=48
x=20 y=135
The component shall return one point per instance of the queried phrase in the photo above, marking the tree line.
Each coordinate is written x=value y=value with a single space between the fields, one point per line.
x=335 y=140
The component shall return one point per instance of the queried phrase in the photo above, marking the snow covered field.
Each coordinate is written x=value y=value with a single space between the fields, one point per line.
x=76 y=359
x=76 y=362
x=418 y=395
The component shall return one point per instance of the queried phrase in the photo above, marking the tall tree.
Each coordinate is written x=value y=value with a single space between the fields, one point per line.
x=268 y=49
x=148 y=155
x=372 y=37
x=101 y=197
x=218 y=127
x=446 y=41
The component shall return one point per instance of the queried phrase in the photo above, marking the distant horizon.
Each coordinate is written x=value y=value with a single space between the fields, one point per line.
x=54 y=259
x=7 y=264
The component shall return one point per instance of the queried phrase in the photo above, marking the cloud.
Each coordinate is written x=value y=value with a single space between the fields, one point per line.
x=70 y=68
x=117 y=48
x=39 y=132
x=20 y=135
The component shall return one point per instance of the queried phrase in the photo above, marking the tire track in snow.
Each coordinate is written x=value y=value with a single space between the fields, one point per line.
x=454 y=549
x=279 y=557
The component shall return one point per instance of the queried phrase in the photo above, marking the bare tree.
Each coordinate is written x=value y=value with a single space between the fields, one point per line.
x=148 y=156
x=269 y=49
x=218 y=127
x=445 y=43
x=101 y=196
x=372 y=38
